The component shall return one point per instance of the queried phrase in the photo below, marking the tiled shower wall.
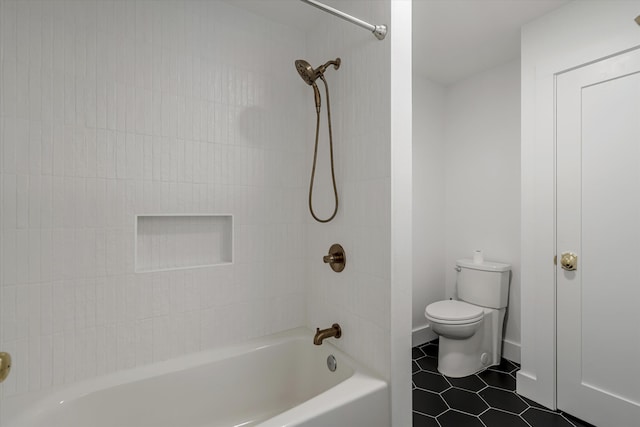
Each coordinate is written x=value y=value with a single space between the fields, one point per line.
x=358 y=298
x=110 y=109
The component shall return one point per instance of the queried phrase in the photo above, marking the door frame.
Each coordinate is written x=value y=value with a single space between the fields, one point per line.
x=575 y=35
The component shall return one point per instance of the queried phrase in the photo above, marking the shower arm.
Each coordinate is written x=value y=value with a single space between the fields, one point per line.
x=380 y=31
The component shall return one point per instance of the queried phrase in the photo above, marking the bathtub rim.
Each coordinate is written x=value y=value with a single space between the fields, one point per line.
x=355 y=387
x=31 y=406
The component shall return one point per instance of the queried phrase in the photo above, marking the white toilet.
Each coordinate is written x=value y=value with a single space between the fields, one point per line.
x=470 y=328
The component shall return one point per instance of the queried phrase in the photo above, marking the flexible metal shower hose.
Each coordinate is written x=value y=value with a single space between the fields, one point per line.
x=315 y=156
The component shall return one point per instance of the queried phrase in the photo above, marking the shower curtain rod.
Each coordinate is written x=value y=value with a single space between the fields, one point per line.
x=380 y=31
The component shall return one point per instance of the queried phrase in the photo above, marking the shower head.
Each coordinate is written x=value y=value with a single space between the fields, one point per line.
x=308 y=74
x=306 y=71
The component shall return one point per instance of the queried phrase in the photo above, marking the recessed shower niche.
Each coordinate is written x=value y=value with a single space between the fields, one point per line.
x=173 y=242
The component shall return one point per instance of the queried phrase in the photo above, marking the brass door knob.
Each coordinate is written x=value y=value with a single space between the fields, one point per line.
x=336 y=258
x=5 y=365
x=569 y=261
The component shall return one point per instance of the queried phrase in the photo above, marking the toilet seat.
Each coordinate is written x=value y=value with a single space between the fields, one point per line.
x=453 y=312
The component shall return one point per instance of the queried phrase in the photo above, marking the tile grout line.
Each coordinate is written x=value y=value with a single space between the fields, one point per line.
x=498 y=376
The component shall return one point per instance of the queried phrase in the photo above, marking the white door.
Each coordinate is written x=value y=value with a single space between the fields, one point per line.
x=598 y=219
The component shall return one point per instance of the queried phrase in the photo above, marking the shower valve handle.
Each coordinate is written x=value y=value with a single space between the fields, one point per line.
x=328 y=259
x=336 y=258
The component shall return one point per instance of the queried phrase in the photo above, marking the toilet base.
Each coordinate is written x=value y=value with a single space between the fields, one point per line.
x=461 y=358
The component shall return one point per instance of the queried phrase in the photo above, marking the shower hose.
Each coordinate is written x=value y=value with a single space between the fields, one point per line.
x=315 y=157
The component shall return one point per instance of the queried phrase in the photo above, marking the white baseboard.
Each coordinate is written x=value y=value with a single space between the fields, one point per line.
x=511 y=350
x=421 y=335
x=527 y=386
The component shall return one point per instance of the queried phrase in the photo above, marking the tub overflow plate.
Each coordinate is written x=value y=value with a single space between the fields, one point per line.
x=331 y=363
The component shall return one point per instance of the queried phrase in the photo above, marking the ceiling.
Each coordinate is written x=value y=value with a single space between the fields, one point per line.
x=452 y=39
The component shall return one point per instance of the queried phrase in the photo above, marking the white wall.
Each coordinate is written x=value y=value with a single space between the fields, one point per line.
x=358 y=297
x=466 y=195
x=428 y=201
x=401 y=212
x=111 y=109
x=575 y=34
x=482 y=179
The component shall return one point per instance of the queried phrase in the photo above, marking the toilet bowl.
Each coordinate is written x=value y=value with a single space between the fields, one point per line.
x=454 y=319
x=467 y=344
x=470 y=329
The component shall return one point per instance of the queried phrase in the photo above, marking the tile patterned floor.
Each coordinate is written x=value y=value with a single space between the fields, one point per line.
x=486 y=399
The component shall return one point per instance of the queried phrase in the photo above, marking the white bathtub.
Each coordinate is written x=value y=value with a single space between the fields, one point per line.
x=280 y=380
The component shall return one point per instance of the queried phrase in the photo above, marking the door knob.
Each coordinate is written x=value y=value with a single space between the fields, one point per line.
x=569 y=261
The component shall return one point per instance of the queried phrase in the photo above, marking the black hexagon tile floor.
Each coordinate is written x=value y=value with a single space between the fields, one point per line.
x=486 y=399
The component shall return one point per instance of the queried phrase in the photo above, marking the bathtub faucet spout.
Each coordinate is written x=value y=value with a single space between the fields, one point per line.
x=333 y=331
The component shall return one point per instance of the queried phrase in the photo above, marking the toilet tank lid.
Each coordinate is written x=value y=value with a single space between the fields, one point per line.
x=485 y=266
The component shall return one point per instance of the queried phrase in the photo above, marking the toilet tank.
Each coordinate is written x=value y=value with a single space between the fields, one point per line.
x=485 y=284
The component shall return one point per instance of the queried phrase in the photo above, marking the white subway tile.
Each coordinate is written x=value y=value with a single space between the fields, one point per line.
x=111 y=105
x=10 y=202
x=111 y=342
x=34 y=364
x=46 y=309
x=90 y=356
x=69 y=307
x=69 y=97
x=117 y=114
x=58 y=359
x=46 y=255
x=130 y=104
x=70 y=355
x=35 y=198
x=120 y=103
x=47 y=99
x=102 y=352
x=144 y=342
x=21 y=138
x=34 y=250
x=160 y=338
x=101 y=94
x=9 y=71
x=57 y=304
x=126 y=347
x=22 y=256
x=91 y=152
x=144 y=285
x=58 y=147
x=91 y=303
x=90 y=108
x=101 y=253
x=22 y=85
x=46 y=361
x=68 y=208
x=80 y=54
x=22 y=201
x=80 y=94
